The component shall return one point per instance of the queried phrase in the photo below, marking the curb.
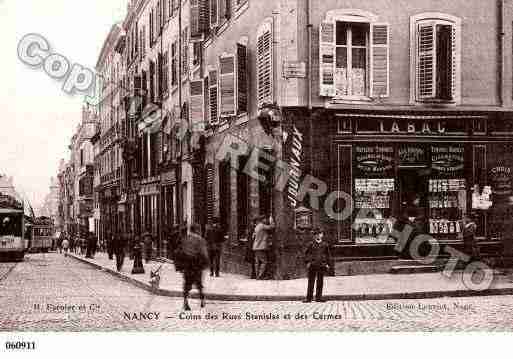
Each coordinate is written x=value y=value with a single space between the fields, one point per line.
x=293 y=298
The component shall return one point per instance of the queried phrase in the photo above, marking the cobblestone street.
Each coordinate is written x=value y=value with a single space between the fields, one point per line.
x=51 y=292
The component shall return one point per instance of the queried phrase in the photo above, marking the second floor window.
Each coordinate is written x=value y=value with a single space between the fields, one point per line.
x=351 y=41
x=436 y=58
x=354 y=56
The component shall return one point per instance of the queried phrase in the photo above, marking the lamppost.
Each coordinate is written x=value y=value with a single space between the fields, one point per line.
x=270 y=118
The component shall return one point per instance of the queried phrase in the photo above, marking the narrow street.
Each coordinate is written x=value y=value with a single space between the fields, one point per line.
x=51 y=292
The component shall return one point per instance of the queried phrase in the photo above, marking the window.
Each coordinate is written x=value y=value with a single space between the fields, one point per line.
x=165 y=72
x=185 y=50
x=354 y=56
x=265 y=72
x=351 y=58
x=197 y=47
x=174 y=64
x=436 y=58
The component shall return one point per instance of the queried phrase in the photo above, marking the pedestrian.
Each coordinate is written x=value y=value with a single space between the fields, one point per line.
x=71 y=243
x=193 y=258
x=148 y=244
x=250 y=256
x=65 y=246
x=59 y=242
x=215 y=239
x=110 y=245
x=317 y=259
x=91 y=244
x=119 y=251
x=261 y=245
x=469 y=237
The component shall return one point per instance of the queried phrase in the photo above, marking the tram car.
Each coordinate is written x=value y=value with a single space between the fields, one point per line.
x=13 y=243
x=42 y=235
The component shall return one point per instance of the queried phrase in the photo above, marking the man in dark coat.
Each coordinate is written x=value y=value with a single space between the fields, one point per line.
x=215 y=239
x=119 y=251
x=194 y=259
x=317 y=259
x=250 y=255
x=148 y=244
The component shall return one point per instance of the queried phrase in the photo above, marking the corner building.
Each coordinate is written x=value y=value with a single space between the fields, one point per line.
x=406 y=107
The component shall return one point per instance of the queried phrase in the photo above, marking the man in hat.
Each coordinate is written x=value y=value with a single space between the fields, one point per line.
x=194 y=259
x=261 y=245
x=317 y=259
x=215 y=239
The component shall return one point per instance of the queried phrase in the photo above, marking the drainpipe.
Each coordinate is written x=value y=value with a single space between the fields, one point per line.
x=309 y=100
x=502 y=50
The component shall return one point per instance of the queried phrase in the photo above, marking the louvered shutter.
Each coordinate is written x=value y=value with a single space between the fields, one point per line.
x=197 y=104
x=380 y=53
x=227 y=85
x=242 y=78
x=214 y=13
x=210 y=173
x=213 y=97
x=204 y=16
x=327 y=59
x=453 y=63
x=426 y=61
x=195 y=18
x=265 y=60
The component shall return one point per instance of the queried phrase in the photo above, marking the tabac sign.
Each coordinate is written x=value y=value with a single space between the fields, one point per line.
x=411 y=126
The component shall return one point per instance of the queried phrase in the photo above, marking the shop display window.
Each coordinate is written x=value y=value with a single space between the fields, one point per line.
x=373 y=203
x=447 y=203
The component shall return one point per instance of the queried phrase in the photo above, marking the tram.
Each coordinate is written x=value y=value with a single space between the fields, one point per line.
x=13 y=243
x=42 y=235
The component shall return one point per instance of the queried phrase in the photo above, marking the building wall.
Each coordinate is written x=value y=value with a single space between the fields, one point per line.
x=480 y=44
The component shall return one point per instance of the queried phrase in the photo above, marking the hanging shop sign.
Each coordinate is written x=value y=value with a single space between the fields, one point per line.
x=500 y=177
x=374 y=159
x=295 y=160
x=303 y=218
x=447 y=159
x=411 y=126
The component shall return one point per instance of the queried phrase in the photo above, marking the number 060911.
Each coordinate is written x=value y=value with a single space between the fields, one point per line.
x=20 y=345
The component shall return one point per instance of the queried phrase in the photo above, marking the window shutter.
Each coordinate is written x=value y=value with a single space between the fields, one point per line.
x=265 y=60
x=210 y=191
x=197 y=105
x=426 y=62
x=227 y=85
x=204 y=16
x=327 y=59
x=213 y=97
x=214 y=13
x=380 y=52
x=453 y=63
x=195 y=18
x=242 y=78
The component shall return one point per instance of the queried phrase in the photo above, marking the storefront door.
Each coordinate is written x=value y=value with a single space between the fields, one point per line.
x=412 y=194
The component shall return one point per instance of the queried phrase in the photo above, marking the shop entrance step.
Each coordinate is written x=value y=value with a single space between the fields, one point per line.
x=415 y=268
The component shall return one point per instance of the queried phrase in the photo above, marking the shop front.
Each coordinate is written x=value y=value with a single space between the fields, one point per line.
x=429 y=169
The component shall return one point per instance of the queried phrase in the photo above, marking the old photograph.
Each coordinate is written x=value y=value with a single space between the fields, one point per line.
x=256 y=166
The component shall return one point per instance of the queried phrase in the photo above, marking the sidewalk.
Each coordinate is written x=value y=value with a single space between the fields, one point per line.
x=362 y=287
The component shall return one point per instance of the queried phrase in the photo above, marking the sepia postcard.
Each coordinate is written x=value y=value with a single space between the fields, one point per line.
x=255 y=165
